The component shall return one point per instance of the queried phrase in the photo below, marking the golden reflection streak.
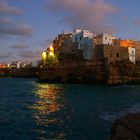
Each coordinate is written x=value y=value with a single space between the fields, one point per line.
x=49 y=100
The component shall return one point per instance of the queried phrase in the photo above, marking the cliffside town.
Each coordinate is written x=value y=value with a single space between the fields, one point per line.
x=84 y=57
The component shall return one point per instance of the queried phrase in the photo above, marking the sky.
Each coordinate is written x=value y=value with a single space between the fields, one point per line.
x=27 y=27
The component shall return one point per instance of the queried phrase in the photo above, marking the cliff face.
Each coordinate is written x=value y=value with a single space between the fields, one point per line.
x=123 y=73
x=73 y=73
x=94 y=73
x=126 y=128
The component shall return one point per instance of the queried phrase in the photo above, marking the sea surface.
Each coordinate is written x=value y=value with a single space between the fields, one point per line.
x=34 y=111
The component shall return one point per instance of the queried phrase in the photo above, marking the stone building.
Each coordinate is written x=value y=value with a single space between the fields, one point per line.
x=138 y=51
x=128 y=43
x=104 y=39
x=111 y=53
x=65 y=49
x=63 y=42
x=85 y=42
x=134 y=48
x=116 y=42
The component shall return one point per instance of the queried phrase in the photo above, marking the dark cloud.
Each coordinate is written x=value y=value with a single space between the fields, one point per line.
x=19 y=46
x=89 y=14
x=15 y=29
x=30 y=54
x=6 y=9
x=9 y=27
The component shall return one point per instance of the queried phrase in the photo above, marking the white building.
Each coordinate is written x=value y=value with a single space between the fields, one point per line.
x=19 y=64
x=84 y=39
x=86 y=44
x=132 y=54
x=104 y=39
x=79 y=34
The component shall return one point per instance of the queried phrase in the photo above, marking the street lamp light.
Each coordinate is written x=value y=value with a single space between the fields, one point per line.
x=44 y=57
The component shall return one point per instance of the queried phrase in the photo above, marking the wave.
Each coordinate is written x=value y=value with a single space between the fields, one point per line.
x=112 y=116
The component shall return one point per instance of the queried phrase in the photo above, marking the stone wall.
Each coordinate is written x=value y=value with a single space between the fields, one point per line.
x=111 y=53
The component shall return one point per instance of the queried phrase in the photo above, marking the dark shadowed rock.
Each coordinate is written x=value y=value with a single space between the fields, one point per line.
x=126 y=128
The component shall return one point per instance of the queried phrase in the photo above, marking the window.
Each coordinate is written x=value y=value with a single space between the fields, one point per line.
x=117 y=55
x=76 y=39
x=105 y=37
x=80 y=38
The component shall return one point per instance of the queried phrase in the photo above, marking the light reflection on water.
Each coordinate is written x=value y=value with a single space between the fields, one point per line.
x=32 y=111
x=49 y=102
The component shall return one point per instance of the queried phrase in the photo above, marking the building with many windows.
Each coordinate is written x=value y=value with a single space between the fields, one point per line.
x=85 y=42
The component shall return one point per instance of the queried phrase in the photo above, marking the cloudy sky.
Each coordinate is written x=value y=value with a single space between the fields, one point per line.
x=27 y=27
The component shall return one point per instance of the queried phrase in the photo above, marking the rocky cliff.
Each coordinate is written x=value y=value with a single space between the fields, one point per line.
x=115 y=73
x=123 y=73
x=126 y=128
x=73 y=73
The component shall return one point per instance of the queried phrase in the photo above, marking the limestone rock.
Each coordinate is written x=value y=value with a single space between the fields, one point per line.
x=126 y=128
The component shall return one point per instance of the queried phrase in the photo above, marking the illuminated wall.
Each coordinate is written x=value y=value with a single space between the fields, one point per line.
x=128 y=43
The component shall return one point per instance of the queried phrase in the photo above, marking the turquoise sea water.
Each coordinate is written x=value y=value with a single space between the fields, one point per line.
x=33 y=111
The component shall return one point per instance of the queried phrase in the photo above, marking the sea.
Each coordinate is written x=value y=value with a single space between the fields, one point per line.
x=34 y=111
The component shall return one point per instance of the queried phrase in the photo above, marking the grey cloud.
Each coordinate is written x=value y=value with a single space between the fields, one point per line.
x=7 y=26
x=5 y=20
x=20 y=29
x=19 y=46
x=6 y=9
x=29 y=54
x=15 y=30
x=89 y=14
